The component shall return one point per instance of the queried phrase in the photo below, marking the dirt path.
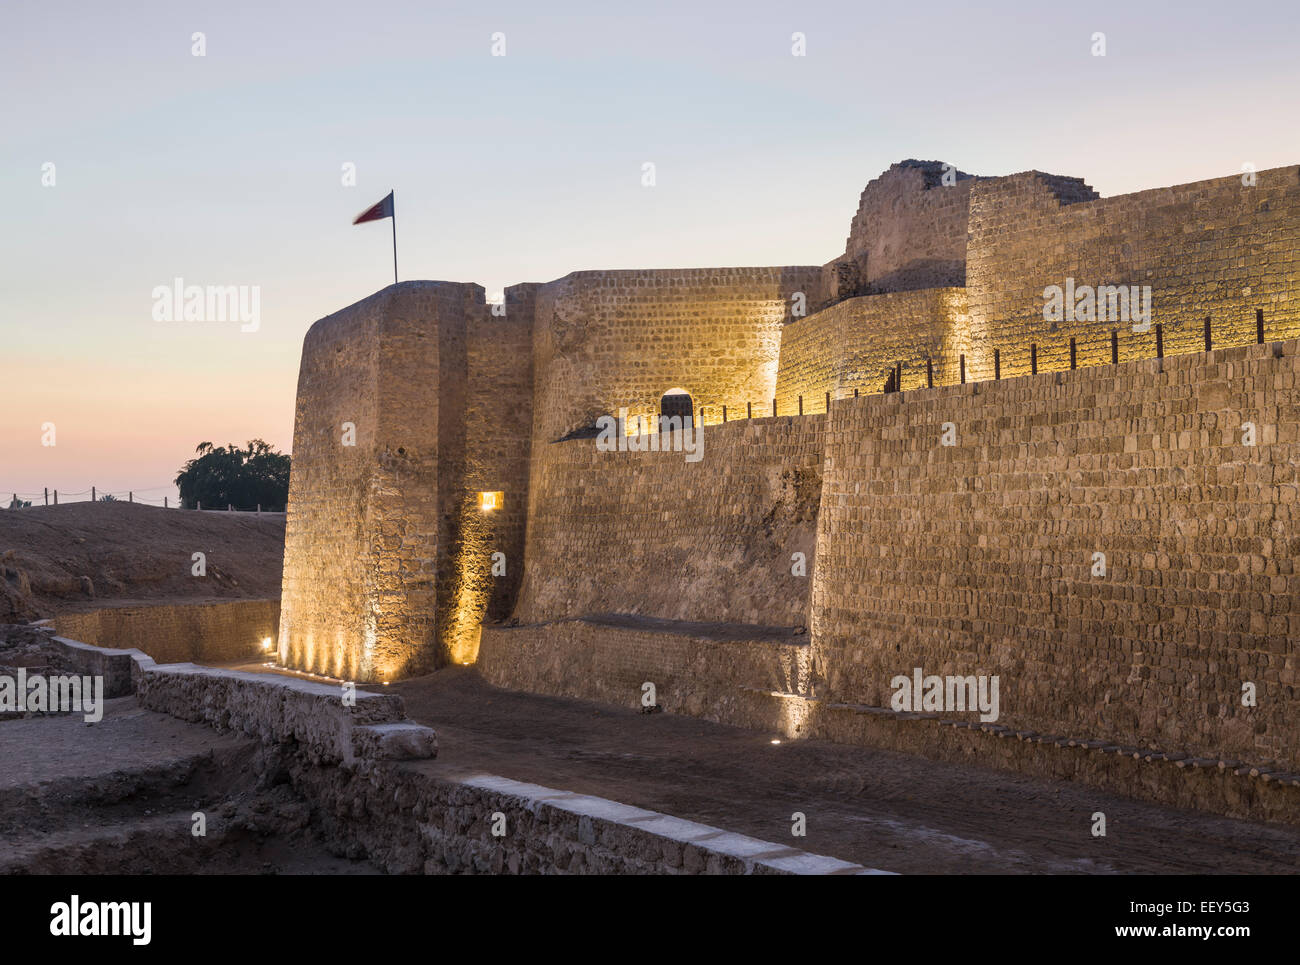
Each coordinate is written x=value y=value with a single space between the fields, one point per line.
x=878 y=808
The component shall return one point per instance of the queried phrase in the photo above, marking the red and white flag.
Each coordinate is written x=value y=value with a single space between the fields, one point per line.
x=384 y=209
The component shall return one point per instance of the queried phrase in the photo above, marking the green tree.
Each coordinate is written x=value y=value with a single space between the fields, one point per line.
x=227 y=475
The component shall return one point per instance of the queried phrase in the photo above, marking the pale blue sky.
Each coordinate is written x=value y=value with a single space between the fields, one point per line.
x=225 y=169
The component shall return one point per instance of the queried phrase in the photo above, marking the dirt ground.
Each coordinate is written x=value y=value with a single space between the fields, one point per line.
x=878 y=808
x=119 y=797
x=82 y=555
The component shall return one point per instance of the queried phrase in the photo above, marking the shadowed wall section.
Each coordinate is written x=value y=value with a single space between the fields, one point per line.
x=649 y=533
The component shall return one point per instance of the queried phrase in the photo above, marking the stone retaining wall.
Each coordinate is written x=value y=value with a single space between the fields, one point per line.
x=208 y=632
x=416 y=820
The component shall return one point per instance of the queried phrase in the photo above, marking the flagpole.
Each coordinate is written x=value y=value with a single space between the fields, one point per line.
x=394 y=219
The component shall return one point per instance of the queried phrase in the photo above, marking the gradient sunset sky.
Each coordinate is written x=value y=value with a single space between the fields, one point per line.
x=226 y=169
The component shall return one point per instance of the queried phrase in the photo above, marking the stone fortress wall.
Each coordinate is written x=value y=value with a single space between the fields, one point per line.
x=980 y=557
x=973 y=558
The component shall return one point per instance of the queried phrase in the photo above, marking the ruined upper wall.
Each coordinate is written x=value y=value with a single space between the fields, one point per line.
x=609 y=339
x=1218 y=248
x=910 y=228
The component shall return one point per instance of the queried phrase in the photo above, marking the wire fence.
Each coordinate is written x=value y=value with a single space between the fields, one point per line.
x=57 y=497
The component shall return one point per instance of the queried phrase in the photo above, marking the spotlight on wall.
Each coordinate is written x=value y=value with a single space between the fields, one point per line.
x=266 y=643
x=490 y=501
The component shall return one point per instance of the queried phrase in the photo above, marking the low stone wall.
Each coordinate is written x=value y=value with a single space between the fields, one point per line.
x=313 y=718
x=414 y=820
x=276 y=709
x=213 y=632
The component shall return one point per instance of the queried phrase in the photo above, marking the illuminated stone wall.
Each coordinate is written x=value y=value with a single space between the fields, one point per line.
x=212 y=632
x=369 y=525
x=853 y=344
x=978 y=558
x=608 y=339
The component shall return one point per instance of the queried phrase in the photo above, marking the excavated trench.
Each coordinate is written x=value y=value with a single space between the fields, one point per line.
x=126 y=794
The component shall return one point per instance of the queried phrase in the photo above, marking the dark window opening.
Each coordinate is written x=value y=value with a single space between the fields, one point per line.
x=677 y=404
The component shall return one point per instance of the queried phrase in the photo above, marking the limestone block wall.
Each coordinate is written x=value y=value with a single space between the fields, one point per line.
x=979 y=558
x=852 y=344
x=211 y=632
x=608 y=339
x=910 y=228
x=1215 y=248
x=369 y=524
x=650 y=533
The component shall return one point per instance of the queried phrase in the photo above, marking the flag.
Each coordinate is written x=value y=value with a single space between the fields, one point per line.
x=384 y=209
